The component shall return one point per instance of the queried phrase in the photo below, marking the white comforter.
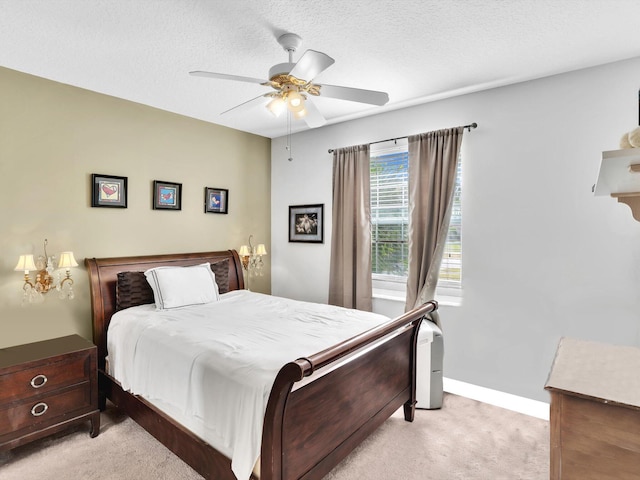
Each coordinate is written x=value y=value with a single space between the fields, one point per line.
x=216 y=363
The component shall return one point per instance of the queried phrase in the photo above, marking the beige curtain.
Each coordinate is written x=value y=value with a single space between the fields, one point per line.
x=350 y=269
x=433 y=159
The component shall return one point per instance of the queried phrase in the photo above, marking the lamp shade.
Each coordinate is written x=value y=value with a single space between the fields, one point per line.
x=25 y=264
x=276 y=106
x=67 y=260
x=244 y=251
x=300 y=114
x=294 y=99
x=261 y=249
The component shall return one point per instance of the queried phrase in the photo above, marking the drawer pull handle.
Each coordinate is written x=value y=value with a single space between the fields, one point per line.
x=38 y=381
x=39 y=409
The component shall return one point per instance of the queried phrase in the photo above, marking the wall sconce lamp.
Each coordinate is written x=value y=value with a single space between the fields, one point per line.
x=251 y=258
x=45 y=279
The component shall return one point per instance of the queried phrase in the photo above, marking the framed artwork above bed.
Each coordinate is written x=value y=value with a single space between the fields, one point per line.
x=108 y=191
x=306 y=223
x=167 y=195
x=216 y=200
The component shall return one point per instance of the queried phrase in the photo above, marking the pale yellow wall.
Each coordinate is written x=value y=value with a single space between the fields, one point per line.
x=54 y=136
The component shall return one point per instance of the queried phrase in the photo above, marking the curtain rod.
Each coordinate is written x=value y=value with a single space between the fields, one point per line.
x=470 y=126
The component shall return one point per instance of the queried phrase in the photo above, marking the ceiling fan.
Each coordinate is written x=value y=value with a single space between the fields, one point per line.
x=293 y=85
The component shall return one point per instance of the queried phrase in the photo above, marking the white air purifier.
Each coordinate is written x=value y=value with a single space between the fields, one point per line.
x=430 y=354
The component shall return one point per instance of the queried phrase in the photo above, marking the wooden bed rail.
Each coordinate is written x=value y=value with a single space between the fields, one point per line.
x=308 y=430
x=325 y=357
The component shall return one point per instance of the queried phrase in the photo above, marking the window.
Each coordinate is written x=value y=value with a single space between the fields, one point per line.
x=390 y=223
x=390 y=212
x=451 y=268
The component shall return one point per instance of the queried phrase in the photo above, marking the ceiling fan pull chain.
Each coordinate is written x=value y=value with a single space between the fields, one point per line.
x=289 y=136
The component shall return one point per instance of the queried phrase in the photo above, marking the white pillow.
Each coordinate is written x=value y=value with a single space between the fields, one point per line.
x=175 y=287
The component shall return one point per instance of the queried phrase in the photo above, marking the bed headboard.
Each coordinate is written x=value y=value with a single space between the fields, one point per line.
x=103 y=273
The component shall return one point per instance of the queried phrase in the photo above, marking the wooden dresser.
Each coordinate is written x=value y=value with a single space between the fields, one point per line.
x=595 y=411
x=46 y=387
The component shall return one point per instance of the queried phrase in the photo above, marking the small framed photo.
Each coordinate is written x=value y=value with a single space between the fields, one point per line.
x=167 y=195
x=108 y=191
x=306 y=223
x=216 y=200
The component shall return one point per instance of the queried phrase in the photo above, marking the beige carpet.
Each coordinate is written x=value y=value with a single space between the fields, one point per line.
x=464 y=440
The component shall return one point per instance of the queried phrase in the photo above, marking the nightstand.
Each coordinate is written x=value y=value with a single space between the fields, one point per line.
x=46 y=387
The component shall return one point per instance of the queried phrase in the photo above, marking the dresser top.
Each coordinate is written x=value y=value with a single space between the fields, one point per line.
x=608 y=373
x=39 y=350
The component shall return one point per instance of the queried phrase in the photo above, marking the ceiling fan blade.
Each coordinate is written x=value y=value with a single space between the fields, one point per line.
x=372 y=97
x=313 y=117
x=310 y=64
x=224 y=76
x=247 y=104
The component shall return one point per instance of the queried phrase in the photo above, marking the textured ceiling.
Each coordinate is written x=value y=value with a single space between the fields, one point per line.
x=416 y=51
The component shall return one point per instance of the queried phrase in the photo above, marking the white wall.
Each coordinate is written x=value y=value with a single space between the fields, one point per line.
x=542 y=257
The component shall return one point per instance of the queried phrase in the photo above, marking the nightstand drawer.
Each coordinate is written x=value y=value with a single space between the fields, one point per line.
x=44 y=378
x=44 y=410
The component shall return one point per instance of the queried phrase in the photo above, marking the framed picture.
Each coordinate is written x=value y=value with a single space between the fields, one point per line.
x=306 y=223
x=108 y=191
x=167 y=195
x=216 y=200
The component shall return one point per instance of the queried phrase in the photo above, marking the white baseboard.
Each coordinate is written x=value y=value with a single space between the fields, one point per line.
x=533 y=408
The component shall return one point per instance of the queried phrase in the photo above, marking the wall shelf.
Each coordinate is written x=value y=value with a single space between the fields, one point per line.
x=619 y=177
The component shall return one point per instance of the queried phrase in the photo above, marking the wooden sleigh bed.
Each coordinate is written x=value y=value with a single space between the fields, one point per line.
x=353 y=387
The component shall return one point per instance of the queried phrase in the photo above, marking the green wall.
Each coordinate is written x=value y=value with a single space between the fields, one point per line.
x=54 y=136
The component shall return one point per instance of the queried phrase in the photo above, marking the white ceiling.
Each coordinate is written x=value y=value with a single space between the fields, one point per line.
x=416 y=50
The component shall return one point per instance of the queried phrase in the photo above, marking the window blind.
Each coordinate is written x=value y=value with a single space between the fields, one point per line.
x=450 y=275
x=390 y=211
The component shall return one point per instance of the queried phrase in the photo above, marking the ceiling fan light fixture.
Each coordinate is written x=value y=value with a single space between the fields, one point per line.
x=292 y=83
x=276 y=106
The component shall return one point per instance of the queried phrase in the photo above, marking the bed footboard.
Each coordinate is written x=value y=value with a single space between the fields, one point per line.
x=360 y=384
